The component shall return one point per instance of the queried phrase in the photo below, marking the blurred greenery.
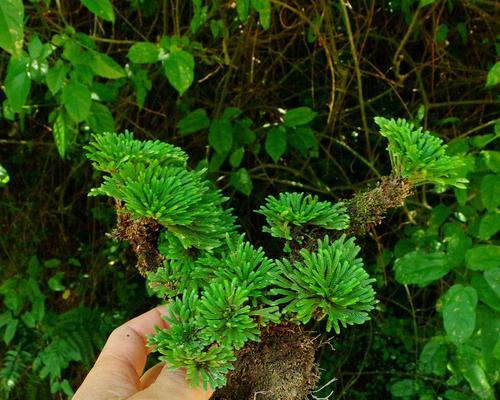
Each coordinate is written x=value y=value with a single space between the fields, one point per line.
x=269 y=95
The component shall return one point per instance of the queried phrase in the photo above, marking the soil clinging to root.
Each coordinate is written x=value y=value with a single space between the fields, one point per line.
x=280 y=367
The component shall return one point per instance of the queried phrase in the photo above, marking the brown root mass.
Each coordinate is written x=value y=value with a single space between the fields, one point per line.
x=142 y=234
x=279 y=367
x=367 y=209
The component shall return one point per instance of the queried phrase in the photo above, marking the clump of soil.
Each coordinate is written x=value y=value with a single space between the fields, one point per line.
x=367 y=209
x=280 y=367
x=142 y=234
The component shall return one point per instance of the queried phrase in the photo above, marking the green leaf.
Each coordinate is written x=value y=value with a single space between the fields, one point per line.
x=144 y=53
x=241 y=181
x=220 y=136
x=195 y=121
x=236 y=157
x=492 y=160
x=263 y=7
x=142 y=85
x=485 y=292
x=4 y=176
x=10 y=330
x=100 y=119
x=421 y=268
x=64 y=133
x=56 y=76
x=55 y=283
x=493 y=77
x=11 y=26
x=489 y=225
x=434 y=356
x=459 y=313
x=179 y=69
x=103 y=65
x=469 y=364
x=424 y=3
x=483 y=257
x=17 y=82
x=276 y=143
x=441 y=33
x=492 y=276
x=76 y=99
x=302 y=139
x=299 y=116
x=404 y=388
x=101 y=8
x=490 y=191
x=243 y=9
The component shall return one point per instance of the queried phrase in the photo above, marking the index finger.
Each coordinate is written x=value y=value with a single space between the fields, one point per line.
x=118 y=368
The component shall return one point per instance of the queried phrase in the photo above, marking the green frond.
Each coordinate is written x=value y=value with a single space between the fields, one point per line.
x=419 y=156
x=225 y=314
x=301 y=209
x=15 y=364
x=181 y=200
x=110 y=151
x=328 y=283
x=206 y=368
x=247 y=266
x=183 y=344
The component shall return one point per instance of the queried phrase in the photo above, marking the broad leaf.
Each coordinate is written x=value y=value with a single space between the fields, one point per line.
x=4 y=176
x=421 y=268
x=459 y=313
x=243 y=8
x=493 y=77
x=101 y=8
x=56 y=76
x=263 y=7
x=195 y=121
x=302 y=138
x=492 y=276
x=483 y=257
x=276 y=143
x=489 y=225
x=64 y=132
x=220 y=136
x=434 y=356
x=103 y=65
x=236 y=157
x=490 y=191
x=11 y=25
x=17 y=82
x=100 y=119
x=76 y=98
x=144 y=53
x=469 y=364
x=299 y=116
x=179 y=69
x=241 y=181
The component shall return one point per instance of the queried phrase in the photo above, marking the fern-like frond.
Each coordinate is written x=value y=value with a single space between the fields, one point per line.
x=110 y=151
x=225 y=315
x=301 y=209
x=14 y=365
x=183 y=344
x=247 y=266
x=419 y=156
x=328 y=283
x=181 y=200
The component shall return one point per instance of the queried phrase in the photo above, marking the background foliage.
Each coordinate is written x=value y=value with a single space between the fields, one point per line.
x=270 y=96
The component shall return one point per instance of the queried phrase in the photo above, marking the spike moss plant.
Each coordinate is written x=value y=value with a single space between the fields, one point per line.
x=224 y=294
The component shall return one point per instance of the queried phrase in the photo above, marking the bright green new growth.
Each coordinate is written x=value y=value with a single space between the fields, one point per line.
x=299 y=209
x=328 y=283
x=419 y=156
x=222 y=291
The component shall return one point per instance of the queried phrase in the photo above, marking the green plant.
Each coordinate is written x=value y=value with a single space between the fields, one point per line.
x=237 y=293
x=44 y=344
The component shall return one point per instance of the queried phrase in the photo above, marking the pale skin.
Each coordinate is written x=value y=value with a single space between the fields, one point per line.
x=118 y=373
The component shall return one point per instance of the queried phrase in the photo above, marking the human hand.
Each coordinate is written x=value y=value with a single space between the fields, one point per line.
x=118 y=372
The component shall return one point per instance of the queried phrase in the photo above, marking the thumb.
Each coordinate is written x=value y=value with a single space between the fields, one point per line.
x=173 y=383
